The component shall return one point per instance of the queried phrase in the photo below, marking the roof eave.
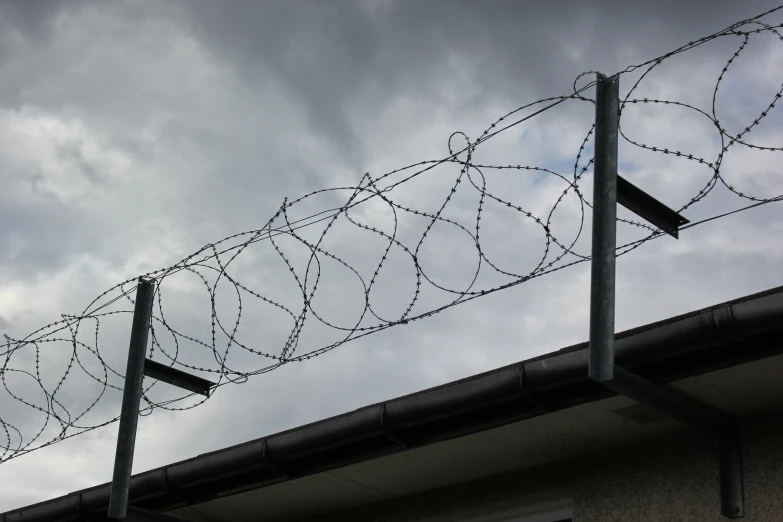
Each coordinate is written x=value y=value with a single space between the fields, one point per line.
x=718 y=337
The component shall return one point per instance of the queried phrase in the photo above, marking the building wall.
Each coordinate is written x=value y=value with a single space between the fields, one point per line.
x=674 y=479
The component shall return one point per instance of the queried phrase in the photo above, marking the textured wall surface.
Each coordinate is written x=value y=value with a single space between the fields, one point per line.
x=677 y=479
x=674 y=479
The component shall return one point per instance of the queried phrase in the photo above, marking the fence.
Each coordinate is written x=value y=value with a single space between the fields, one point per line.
x=215 y=266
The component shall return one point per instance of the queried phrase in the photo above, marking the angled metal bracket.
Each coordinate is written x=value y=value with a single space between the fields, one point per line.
x=608 y=190
x=704 y=417
x=645 y=206
x=673 y=403
x=177 y=378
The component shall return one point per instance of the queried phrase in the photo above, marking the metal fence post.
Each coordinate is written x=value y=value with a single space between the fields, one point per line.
x=602 y=275
x=131 y=399
x=609 y=190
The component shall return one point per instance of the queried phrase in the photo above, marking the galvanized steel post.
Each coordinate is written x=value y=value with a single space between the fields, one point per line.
x=602 y=275
x=609 y=190
x=131 y=399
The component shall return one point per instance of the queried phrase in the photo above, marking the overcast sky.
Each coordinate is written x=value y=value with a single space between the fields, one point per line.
x=132 y=133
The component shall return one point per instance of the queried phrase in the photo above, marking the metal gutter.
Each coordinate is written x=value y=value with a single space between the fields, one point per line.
x=721 y=336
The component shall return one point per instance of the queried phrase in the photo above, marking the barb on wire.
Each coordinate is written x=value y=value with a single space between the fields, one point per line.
x=72 y=347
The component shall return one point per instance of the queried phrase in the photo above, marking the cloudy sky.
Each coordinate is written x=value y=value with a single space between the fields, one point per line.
x=132 y=133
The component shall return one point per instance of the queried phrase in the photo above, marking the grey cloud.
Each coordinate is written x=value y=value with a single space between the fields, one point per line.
x=30 y=246
x=336 y=57
x=31 y=19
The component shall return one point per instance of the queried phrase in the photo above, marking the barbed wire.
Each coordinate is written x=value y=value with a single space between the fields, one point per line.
x=58 y=420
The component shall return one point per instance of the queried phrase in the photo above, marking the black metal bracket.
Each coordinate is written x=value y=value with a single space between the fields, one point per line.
x=610 y=189
x=704 y=417
x=644 y=205
x=673 y=403
x=177 y=378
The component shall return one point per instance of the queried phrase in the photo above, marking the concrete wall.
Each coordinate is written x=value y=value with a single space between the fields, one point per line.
x=672 y=479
